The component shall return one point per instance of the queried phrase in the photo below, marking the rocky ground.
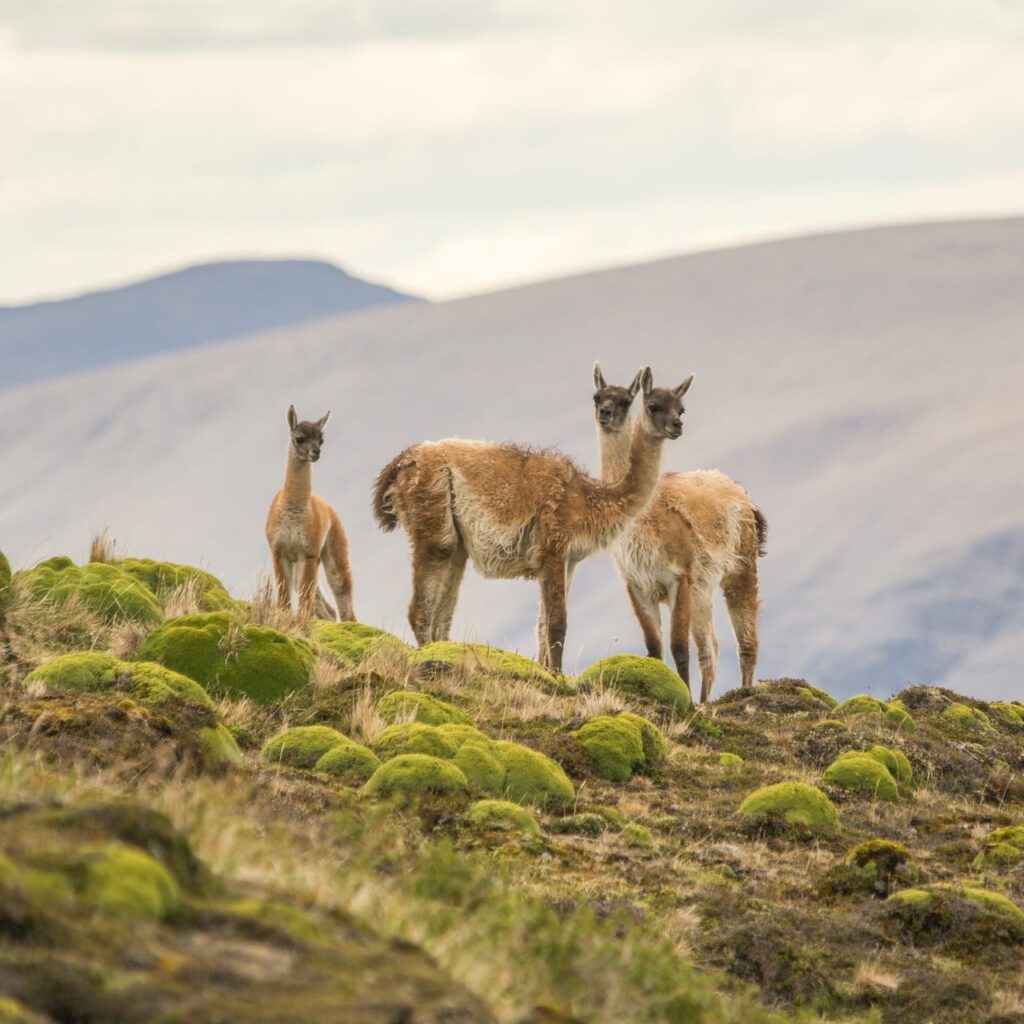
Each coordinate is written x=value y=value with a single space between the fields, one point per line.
x=210 y=813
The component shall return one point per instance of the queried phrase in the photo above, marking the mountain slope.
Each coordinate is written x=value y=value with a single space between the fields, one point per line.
x=864 y=386
x=188 y=308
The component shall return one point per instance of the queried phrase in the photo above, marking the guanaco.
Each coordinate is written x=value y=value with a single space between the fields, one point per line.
x=517 y=513
x=304 y=531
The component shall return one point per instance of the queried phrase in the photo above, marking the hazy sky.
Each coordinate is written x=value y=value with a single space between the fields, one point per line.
x=450 y=147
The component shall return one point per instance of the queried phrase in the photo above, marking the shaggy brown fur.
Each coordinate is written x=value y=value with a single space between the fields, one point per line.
x=304 y=531
x=517 y=513
x=701 y=531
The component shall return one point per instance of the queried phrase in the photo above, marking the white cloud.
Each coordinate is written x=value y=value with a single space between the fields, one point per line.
x=454 y=146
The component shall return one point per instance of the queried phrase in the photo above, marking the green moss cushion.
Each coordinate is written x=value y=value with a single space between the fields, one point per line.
x=614 y=745
x=95 y=671
x=966 y=718
x=483 y=771
x=796 y=803
x=920 y=907
x=484 y=659
x=501 y=816
x=122 y=881
x=349 y=760
x=531 y=777
x=412 y=775
x=102 y=588
x=13 y=1012
x=647 y=678
x=892 y=711
x=422 y=707
x=229 y=658
x=414 y=738
x=301 y=746
x=861 y=773
x=729 y=760
x=162 y=578
x=1003 y=846
x=1011 y=712
x=218 y=747
x=352 y=641
x=895 y=760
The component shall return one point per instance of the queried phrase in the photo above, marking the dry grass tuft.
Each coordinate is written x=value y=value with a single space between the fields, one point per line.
x=387 y=659
x=125 y=638
x=327 y=672
x=874 y=977
x=238 y=713
x=520 y=699
x=265 y=611
x=40 y=628
x=233 y=641
x=103 y=547
x=186 y=599
x=600 y=699
x=365 y=721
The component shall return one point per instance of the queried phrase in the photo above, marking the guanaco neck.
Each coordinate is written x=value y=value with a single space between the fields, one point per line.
x=298 y=480
x=615 y=504
x=613 y=448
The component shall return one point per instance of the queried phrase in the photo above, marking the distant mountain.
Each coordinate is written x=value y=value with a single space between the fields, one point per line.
x=185 y=309
x=864 y=386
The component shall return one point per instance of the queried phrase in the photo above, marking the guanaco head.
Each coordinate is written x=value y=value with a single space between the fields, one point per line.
x=611 y=403
x=663 y=407
x=307 y=436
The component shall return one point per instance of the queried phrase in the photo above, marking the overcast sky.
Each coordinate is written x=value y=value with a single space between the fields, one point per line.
x=451 y=147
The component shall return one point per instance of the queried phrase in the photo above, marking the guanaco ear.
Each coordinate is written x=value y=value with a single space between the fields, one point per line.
x=647 y=380
x=684 y=387
x=293 y=420
x=599 y=381
x=635 y=386
x=322 y=422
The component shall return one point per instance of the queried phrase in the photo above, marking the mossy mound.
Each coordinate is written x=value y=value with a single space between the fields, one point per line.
x=124 y=882
x=349 y=761
x=794 y=804
x=618 y=745
x=779 y=696
x=892 y=711
x=5 y=586
x=532 y=778
x=969 y=919
x=895 y=761
x=230 y=658
x=1008 y=712
x=483 y=771
x=637 y=836
x=501 y=816
x=414 y=738
x=104 y=589
x=494 y=768
x=647 y=678
x=964 y=718
x=729 y=760
x=13 y=1012
x=862 y=773
x=1003 y=846
x=875 y=866
x=473 y=658
x=218 y=747
x=410 y=776
x=163 y=578
x=94 y=671
x=352 y=641
x=301 y=746
x=421 y=707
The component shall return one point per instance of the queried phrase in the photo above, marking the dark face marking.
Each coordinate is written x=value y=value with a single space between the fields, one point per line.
x=611 y=407
x=664 y=411
x=308 y=438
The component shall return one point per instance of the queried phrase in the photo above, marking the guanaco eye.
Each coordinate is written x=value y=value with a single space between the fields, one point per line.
x=300 y=440
x=652 y=407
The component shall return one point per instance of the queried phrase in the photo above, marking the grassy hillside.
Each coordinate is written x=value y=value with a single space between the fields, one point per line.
x=210 y=812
